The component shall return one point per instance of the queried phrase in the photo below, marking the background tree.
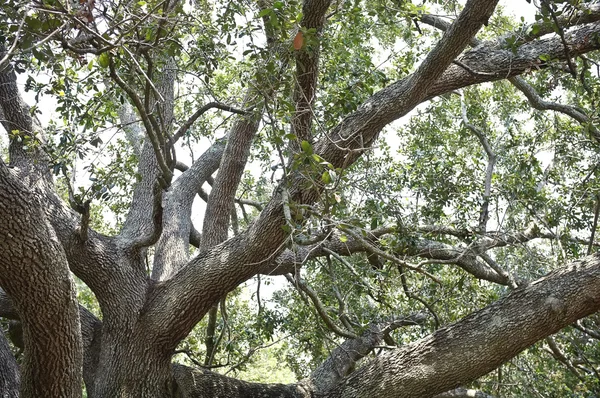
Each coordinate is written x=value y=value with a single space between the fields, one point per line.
x=199 y=146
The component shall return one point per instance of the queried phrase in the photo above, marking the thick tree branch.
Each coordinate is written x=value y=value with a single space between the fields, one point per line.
x=307 y=69
x=234 y=261
x=465 y=258
x=91 y=335
x=233 y=162
x=172 y=250
x=10 y=377
x=586 y=15
x=194 y=383
x=48 y=309
x=131 y=126
x=343 y=359
x=458 y=351
x=357 y=132
x=143 y=224
x=24 y=132
x=96 y=260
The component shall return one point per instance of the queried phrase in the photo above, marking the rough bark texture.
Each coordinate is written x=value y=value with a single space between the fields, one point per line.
x=482 y=341
x=145 y=317
x=9 y=375
x=200 y=384
x=33 y=270
x=172 y=251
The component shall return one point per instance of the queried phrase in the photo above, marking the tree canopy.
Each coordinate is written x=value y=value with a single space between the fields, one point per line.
x=383 y=198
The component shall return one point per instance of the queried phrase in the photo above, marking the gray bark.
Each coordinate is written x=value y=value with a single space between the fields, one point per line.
x=33 y=270
x=145 y=318
x=482 y=341
x=10 y=377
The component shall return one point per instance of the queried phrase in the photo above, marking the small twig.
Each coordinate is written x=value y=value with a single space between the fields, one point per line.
x=286 y=209
x=559 y=356
x=185 y=127
x=13 y=46
x=413 y=296
x=146 y=77
x=561 y=34
x=491 y=155
x=342 y=310
x=590 y=332
x=594 y=225
x=166 y=172
x=300 y=284
x=372 y=249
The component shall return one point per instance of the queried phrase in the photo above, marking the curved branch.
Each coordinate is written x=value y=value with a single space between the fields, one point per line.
x=195 y=288
x=301 y=285
x=211 y=105
x=539 y=103
x=491 y=155
x=484 y=340
x=172 y=250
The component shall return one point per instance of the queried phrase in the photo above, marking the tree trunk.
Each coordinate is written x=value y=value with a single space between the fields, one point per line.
x=129 y=367
x=9 y=370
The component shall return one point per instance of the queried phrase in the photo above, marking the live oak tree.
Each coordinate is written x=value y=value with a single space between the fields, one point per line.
x=417 y=262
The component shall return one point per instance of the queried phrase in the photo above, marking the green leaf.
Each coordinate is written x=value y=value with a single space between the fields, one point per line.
x=545 y=57
x=326 y=178
x=374 y=223
x=265 y=12
x=343 y=238
x=103 y=60
x=306 y=147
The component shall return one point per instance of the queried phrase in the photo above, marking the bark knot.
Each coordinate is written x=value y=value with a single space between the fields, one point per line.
x=554 y=304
